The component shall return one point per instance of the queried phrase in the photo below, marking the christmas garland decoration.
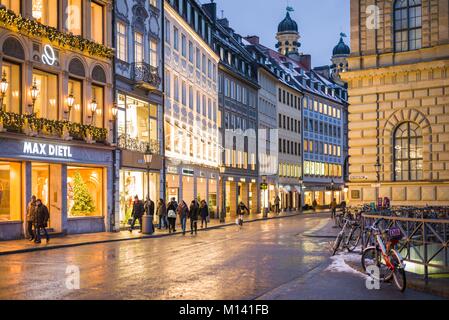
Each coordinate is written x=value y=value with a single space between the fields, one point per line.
x=15 y=123
x=30 y=27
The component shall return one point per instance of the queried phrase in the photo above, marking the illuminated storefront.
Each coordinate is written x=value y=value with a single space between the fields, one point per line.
x=72 y=180
x=189 y=183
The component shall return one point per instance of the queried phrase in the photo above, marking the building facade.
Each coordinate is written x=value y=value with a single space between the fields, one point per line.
x=237 y=108
x=267 y=135
x=139 y=101
x=192 y=143
x=56 y=114
x=399 y=95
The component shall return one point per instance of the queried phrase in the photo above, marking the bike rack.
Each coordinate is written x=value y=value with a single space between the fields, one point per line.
x=425 y=241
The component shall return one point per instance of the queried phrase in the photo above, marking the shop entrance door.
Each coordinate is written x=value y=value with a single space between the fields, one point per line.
x=46 y=185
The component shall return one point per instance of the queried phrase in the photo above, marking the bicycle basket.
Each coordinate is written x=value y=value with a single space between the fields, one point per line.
x=395 y=234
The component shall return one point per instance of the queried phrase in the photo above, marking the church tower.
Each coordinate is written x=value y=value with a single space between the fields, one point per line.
x=340 y=56
x=288 y=35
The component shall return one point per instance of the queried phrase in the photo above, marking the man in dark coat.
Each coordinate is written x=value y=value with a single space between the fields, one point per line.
x=42 y=216
x=149 y=207
x=194 y=213
x=137 y=213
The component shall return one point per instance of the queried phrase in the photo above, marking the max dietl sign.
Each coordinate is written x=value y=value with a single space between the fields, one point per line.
x=47 y=149
x=54 y=152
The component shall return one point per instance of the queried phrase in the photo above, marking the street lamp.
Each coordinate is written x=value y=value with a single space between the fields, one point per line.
x=93 y=109
x=114 y=122
x=148 y=158
x=34 y=94
x=3 y=89
x=70 y=104
x=223 y=195
x=378 y=167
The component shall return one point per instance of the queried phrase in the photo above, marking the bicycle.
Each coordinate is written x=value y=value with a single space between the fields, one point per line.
x=351 y=239
x=386 y=258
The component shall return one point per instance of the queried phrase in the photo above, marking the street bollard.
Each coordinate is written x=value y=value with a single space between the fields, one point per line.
x=147 y=224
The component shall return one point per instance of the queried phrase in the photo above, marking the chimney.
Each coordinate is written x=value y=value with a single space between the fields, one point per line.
x=253 y=39
x=211 y=10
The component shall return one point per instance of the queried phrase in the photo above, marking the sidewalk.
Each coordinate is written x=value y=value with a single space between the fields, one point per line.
x=21 y=246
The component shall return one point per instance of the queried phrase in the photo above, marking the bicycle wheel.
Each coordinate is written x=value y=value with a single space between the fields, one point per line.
x=354 y=238
x=399 y=273
x=374 y=265
x=366 y=239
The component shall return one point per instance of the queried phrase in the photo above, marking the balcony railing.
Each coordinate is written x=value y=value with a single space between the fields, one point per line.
x=133 y=144
x=146 y=75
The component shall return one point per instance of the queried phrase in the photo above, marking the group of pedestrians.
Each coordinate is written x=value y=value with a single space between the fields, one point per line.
x=194 y=212
x=37 y=216
x=169 y=213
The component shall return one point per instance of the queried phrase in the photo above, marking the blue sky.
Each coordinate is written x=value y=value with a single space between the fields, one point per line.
x=320 y=22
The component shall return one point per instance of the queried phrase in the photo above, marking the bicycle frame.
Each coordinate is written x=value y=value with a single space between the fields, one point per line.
x=386 y=250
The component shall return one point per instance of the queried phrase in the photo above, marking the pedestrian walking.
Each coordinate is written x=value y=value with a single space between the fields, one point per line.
x=277 y=202
x=137 y=213
x=30 y=216
x=334 y=210
x=183 y=212
x=241 y=210
x=149 y=210
x=161 y=212
x=204 y=212
x=172 y=208
x=42 y=216
x=194 y=214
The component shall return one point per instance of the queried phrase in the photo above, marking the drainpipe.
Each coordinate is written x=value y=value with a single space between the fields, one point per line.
x=164 y=178
x=114 y=127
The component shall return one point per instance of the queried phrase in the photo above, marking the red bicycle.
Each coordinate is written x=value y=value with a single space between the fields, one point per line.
x=386 y=259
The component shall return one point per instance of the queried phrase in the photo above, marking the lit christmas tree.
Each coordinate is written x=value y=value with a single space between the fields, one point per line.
x=82 y=199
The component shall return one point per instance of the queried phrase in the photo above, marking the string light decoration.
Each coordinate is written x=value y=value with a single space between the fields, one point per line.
x=12 y=21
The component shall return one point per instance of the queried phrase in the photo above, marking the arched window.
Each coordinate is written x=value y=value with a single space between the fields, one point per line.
x=408 y=159
x=407 y=25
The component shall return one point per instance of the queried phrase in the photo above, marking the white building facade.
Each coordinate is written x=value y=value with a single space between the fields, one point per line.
x=192 y=146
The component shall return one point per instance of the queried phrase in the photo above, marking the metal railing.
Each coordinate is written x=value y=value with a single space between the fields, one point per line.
x=425 y=243
x=133 y=144
x=146 y=73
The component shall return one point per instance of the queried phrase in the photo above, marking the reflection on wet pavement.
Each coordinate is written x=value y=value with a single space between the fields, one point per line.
x=218 y=264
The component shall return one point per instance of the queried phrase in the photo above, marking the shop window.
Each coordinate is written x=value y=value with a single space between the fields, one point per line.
x=46 y=12
x=137 y=119
x=74 y=16
x=84 y=192
x=10 y=191
x=46 y=105
x=96 y=22
x=11 y=100
x=98 y=95
x=75 y=88
x=13 y=5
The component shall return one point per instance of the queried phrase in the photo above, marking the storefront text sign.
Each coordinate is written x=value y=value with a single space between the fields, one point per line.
x=46 y=149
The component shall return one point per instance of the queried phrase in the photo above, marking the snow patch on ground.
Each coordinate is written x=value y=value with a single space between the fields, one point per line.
x=339 y=264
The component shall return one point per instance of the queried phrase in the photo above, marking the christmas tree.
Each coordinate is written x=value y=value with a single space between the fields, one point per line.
x=83 y=203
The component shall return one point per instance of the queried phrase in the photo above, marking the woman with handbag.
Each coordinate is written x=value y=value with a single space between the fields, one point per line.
x=171 y=214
